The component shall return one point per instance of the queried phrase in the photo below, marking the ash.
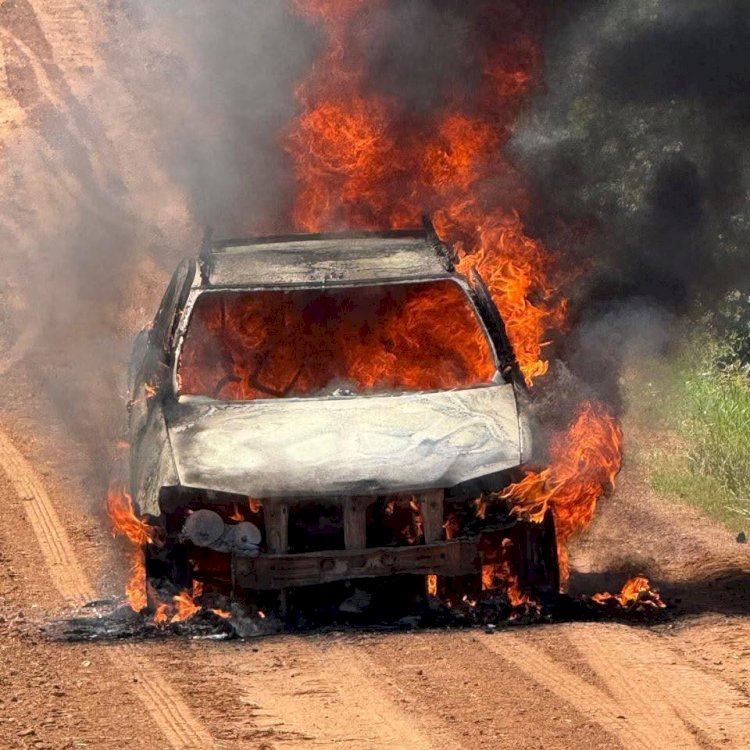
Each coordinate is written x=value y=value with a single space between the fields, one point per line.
x=113 y=620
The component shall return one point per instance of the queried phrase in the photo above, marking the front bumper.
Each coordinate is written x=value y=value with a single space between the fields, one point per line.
x=265 y=572
x=344 y=538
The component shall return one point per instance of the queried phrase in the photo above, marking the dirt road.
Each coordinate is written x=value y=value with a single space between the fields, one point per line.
x=601 y=685
x=682 y=685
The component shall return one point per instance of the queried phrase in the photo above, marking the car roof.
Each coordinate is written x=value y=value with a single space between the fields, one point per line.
x=326 y=258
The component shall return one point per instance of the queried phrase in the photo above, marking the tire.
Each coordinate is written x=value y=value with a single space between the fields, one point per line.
x=535 y=558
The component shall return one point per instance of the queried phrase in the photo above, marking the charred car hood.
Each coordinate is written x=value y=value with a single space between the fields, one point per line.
x=345 y=446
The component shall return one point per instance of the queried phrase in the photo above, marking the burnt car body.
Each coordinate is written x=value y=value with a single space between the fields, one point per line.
x=269 y=478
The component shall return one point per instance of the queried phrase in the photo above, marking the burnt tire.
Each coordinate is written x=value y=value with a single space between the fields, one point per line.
x=533 y=557
x=169 y=564
x=523 y=555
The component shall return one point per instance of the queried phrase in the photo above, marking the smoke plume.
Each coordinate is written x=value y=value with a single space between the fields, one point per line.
x=640 y=139
x=171 y=120
x=634 y=150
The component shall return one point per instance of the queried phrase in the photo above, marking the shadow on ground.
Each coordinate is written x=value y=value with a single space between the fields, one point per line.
x=721 y=591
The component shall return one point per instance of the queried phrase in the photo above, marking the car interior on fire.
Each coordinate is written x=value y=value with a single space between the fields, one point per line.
x=396 y=338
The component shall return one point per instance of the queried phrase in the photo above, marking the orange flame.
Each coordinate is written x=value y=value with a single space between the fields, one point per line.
x=432 y=585
x=636 y=589
x=300 y=343
x=135 y=589
x=500 y=575
x=451 y=526
x=236 y=514
x=516 y=270
x=585 y=462
x=184 y=607
x=139 y=533
x=162 y=614
x=362 y=162
x=185 y=604
x=138 y=591
x=123 y=517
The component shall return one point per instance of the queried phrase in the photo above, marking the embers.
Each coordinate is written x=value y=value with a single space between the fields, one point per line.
x=394 y=521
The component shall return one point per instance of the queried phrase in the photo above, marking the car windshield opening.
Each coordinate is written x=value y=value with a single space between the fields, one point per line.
x=397 y=338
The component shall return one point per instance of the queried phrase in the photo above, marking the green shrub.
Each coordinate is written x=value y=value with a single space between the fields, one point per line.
x=705 y=399
x=731 y=322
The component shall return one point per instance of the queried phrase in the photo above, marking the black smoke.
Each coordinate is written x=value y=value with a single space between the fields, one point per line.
x=642 y=137
x=638 y=156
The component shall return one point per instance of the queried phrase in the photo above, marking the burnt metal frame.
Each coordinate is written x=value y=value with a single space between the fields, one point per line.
x=274 y=571
x=277 y=569
x=433 y=556
x=210 y=246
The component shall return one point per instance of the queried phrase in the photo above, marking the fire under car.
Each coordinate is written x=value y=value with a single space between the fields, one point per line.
x=314 y=409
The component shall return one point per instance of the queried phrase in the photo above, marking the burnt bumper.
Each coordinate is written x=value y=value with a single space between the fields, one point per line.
x=266 y=572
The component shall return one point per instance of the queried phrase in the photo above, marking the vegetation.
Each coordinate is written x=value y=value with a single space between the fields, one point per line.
x=703 y=398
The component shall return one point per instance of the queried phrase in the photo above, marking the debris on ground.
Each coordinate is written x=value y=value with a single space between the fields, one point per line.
x=109 y=620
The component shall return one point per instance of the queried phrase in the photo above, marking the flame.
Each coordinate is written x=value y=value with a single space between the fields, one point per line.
x=123 y=517
x=362 y=162
x=139 y=533
x=251 y=345
x=416 y=510
x=488 y=577
x=162 y=614
x=585 y=461
x=480 y=507
x=185 y=605
x=221 y=613
x=135 y=589
x=501 y=575
x=451 y=526
x=236 y=514
x=150 y=390
x=138 y=591
x=516 y=270
x=635 y=590
x=432 y=585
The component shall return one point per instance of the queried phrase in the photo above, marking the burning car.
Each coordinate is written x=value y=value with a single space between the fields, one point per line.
x=320 y=408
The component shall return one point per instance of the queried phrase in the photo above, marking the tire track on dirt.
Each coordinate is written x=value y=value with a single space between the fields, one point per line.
x=634 y=724
x=319 y=694
x=641 y=671
x=180 y=727
x=635 y=691
x=650 y=695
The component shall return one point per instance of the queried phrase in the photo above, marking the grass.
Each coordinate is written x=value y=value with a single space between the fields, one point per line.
x=707 y=410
